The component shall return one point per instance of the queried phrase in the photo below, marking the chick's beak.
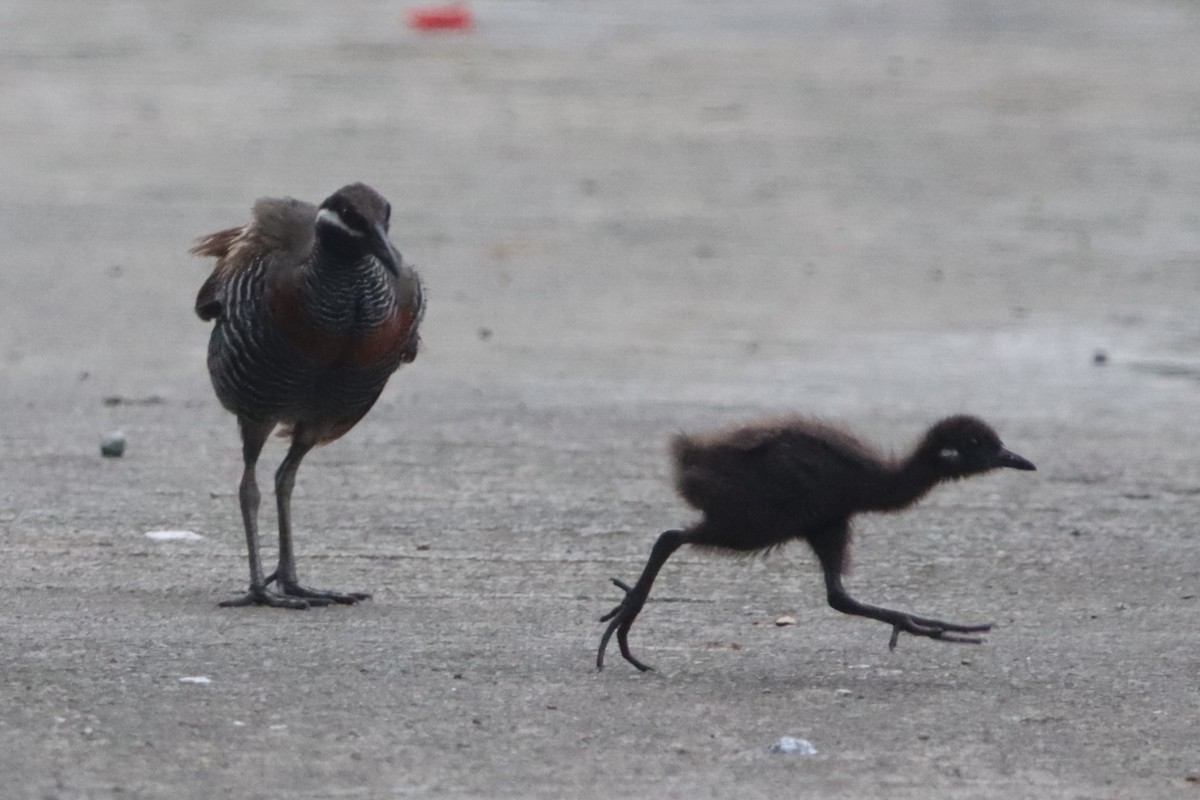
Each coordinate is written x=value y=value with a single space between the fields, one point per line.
x=383 y=249
x=1007 y=458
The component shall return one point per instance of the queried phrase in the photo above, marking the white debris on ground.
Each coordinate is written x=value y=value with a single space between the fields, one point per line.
x=174 y=536
x=793 y=746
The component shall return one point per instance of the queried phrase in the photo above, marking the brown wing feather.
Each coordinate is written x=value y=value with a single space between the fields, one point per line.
x=282 y=228
x=216 y=245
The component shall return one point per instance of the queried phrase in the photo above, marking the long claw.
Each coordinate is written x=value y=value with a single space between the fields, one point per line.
x=623 y=643
x=949 y=626
x=948 y=637
x=620 y=619
x=261 y=597
x=293 y=595
x=321 y=597
x=936 y=629
x=608 y=632
x=620 y=584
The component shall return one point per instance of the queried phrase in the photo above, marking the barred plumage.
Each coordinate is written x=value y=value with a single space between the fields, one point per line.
x=314 y=310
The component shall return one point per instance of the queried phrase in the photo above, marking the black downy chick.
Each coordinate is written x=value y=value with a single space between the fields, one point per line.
x=761 y=485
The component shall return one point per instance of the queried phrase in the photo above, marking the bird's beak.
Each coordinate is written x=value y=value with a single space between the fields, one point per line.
x=381 y=248
x=1007 y=458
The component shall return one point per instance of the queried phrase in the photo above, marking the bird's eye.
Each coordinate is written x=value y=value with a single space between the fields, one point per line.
x=949 y=454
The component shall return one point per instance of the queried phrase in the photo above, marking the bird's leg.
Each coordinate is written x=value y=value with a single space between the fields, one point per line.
x=901 y=621
x=254 y=435
x=831 y=553
x=285 y=573
x=623 y=615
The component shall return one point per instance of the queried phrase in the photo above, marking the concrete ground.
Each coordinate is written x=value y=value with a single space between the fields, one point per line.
x=633 y=219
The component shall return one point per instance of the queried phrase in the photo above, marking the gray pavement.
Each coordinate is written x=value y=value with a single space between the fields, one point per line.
x=632 y=221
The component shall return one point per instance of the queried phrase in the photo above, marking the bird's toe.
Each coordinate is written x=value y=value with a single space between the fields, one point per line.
x=262 y=597
x=321 y=597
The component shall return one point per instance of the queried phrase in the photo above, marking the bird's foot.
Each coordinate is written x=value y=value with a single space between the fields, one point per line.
x=260 y=596
x=322 y=597
x=315 y=597
x=935 y=629
x=622 y=618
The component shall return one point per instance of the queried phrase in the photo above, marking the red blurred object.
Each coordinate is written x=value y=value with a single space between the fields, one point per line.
x=455 y=16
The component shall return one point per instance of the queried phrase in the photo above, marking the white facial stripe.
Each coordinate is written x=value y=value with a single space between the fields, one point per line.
x=330 y=217
x=948 y=454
